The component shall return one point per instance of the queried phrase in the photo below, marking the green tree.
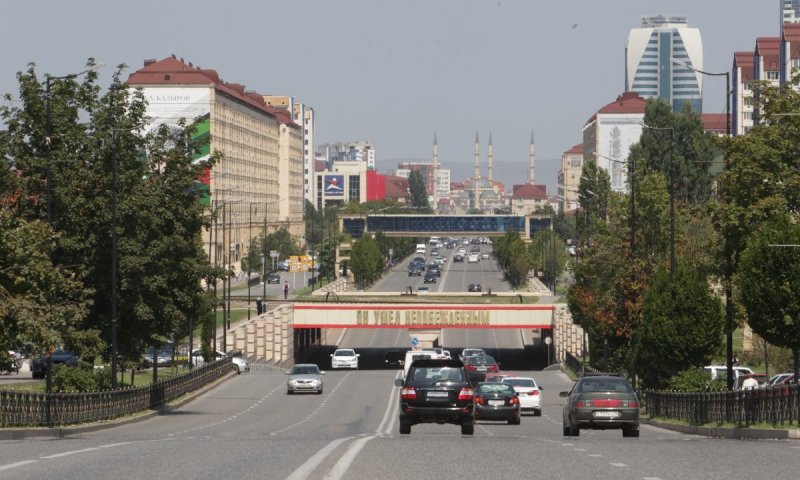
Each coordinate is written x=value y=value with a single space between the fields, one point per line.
x=416 y=186
x=682 y=326
x=511 y=255
x=365 y=259
x=768 y=280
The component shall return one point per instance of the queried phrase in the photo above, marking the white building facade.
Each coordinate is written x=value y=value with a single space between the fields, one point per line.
x=650 y=67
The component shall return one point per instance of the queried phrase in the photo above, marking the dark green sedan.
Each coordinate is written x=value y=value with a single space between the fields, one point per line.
x=601 y=402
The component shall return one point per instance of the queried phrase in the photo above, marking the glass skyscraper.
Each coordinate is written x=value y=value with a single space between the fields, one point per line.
x=657 y=57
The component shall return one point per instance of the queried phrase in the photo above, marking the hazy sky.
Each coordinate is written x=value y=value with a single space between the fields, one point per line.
x=395 y=72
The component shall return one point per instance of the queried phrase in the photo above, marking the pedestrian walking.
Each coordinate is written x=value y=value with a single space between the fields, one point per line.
x=285 y=289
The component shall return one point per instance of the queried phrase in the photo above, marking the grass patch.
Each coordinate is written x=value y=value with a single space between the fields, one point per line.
x=141 y=378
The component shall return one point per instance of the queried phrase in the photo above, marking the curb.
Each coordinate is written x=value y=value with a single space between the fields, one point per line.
x=63 y=432
x=731 y=433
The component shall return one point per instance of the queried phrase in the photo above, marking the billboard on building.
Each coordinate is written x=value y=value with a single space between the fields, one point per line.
x=334 y=185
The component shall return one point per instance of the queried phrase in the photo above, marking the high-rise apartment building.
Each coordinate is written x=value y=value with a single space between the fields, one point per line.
x=790 y=11
x=651 y=69
x=569 y=177
x=259 y=173
x=302 y=115
x=742 y=85
x=360 y=151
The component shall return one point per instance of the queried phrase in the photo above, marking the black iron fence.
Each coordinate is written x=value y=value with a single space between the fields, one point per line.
x=778 y=405
x=20 y=409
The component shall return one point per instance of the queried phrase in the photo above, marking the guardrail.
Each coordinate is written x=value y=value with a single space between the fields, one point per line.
x=20 y=409
x=778 y=405
x=577 y=365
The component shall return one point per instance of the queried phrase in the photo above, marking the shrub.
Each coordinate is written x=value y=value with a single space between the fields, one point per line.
x=78 y=379
x=694 y=380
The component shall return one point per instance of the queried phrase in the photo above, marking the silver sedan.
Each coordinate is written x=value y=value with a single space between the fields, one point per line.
x=304 y=377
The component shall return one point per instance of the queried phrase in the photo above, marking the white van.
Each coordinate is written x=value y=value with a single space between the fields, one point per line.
x=412 y=355
x=720 y=371
x=421 y=248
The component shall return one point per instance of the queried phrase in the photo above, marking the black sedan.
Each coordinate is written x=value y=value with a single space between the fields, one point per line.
x=479 y=365
x=497 y=401
x=474 y=287
x=458 y=258
x=430 y=276
x=600 y=402
x=273 y=277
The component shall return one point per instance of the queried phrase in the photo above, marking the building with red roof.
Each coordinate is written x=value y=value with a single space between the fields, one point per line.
x=742 y=86
x=609 y=134
x=260 y=166
x=527 y=198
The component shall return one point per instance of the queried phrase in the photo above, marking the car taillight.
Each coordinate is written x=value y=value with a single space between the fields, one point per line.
x=479 y=400
x=471 y=367
x=466 y=394
x=580 y=404
x=533 y=392
x=491 y=367
x=513 y=401
x=408 y=393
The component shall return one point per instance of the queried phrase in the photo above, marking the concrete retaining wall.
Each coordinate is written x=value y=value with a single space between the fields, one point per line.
x=267 y=338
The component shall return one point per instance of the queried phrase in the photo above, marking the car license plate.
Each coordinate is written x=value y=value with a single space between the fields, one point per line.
x=481 y=369
x=607 y=414
x=437 y=394
x=496 y=403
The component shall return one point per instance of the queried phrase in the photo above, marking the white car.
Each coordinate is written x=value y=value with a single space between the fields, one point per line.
x=485 y=256
x=530 y=395
x=473 y=258
x=240 y=363
x=344 y=358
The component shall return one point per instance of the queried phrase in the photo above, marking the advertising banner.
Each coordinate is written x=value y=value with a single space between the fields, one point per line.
x=422 y=316
x=334 y=185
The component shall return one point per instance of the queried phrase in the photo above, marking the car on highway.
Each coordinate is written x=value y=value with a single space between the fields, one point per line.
x=414 y=270
x=437 y=352
x=469 y=352
x=530 y=395
x=473 y=258
x=240 y=363
x=419 y=261
x=59 y=357
x=304 y=377
x=496 y=377
x=435 y=268
x=344 y=358
x=273 y=277
x=435 y=252
x=283 y=265
x=430 y=276
x=497 y=401
x=600 y=402
x=394 y=358
x=478 y=366
x=458 y=258
x=436 y=391
x=474 y=287
x=485 y=255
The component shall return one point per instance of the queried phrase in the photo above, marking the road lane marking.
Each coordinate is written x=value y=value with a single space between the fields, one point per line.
x=17 y=464
x=615 y=464
x=389 y=408
x=346 y=460
x=595 y=455
x=84 y=450
x=304 y=470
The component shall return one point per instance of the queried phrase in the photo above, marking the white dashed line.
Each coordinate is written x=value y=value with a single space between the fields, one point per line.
x=15 y=465
x=620 y=465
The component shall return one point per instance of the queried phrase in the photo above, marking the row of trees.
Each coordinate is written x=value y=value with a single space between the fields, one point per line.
x=655 y=314
x=73 y=165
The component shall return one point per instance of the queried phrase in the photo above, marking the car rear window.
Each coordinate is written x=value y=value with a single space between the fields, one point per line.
x=519 y=382
x=495 y=388
x=437 y=374
x=606 y=385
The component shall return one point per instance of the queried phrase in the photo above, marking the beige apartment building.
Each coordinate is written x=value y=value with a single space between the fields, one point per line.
x=258 y=178
x=569 y=178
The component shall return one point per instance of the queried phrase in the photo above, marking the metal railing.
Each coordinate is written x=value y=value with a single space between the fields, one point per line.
x=779 y=405
x=18 y=409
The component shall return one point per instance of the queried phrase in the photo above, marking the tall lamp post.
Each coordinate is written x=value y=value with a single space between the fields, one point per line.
x=728 y=255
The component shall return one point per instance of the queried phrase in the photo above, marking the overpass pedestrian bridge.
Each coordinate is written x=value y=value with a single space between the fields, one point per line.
x=447 y=225
x=278 y=335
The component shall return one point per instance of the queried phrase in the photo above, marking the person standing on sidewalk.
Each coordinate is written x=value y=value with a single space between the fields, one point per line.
x=285 y=289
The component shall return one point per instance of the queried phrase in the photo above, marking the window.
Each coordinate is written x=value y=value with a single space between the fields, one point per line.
x=747 y=86
x=795 y=63
x=748 y=101
x=773 y=75
x=747 y=115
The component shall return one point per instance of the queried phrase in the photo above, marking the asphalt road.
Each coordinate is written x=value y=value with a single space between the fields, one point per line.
x=455 y=275
x=247 y=427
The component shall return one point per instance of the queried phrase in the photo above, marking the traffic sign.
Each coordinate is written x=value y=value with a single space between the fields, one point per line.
x=414 y=341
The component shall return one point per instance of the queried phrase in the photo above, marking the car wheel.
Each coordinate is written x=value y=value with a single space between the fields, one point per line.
x=566 y=430
x=405 y=428
x=238 y=370
x=574 y=431
x=319 y=392
x=468 y=428
x=630 y=432
x=289 y=392
x=514 y=421
x=537 y=413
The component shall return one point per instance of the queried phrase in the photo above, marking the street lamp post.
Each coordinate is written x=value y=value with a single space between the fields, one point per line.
x=728 y=255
